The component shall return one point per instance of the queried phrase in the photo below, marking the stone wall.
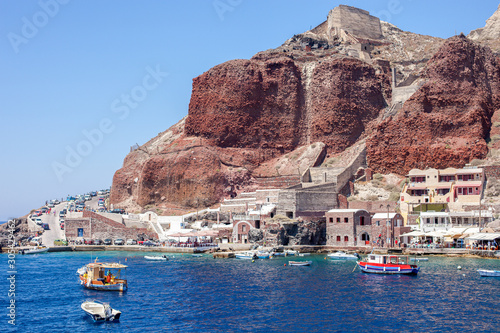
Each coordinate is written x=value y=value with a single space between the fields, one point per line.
x=374 y=206
x=102 y=228
x=87 y=213
x=307 y=202
x=354 y=21
x=320 y=175
x=337 y=229
x=277 y=182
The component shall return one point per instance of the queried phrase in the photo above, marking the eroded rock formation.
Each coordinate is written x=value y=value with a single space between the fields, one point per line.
x=446 y=123
x=314 y=97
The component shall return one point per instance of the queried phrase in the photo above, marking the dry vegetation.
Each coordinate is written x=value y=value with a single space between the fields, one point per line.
x=382 y=187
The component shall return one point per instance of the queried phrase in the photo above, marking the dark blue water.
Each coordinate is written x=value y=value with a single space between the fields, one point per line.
x=188 y=294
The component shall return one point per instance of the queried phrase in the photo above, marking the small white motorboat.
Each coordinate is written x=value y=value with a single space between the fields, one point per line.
x=35 y=250
x=264 y=254
x=304 y=254
x=100 y=311
x=197 y=255
x=300 y=263
x=488 y=272
x=341 y=255
x=291 y=252
x=162 y=257
x=246 y=255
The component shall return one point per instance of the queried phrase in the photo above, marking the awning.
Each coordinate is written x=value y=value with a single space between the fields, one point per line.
x=455 y=231
x=413 y=234
x=485 y=236
x=435 y=234
x=200 y=233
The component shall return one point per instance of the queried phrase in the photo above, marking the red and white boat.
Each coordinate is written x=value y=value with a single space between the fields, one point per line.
x=387 y=264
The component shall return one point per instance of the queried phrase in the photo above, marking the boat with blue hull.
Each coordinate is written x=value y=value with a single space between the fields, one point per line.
x=387 y=264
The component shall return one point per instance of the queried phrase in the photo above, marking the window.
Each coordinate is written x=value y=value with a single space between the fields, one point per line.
x=346 y=219
x=331 y=219
x=243 y=228
x=470 y=190
x=338 y=219
x=346 y=238
x=338 y=238
x=80 y=232
x=378 y=223
x=361 y=220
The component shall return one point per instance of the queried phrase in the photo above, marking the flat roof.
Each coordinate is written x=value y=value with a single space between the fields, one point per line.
x=345 y=210
x=428 y=214
x=383 y=215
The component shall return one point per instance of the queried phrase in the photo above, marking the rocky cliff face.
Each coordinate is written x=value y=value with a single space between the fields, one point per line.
x=489 y=35
x=310 y=99
x=248 y=103
x=446 y=123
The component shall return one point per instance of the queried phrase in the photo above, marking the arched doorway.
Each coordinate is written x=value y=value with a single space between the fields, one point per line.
x=365 y=238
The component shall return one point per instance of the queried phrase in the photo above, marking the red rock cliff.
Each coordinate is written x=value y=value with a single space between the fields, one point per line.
x=446 y=123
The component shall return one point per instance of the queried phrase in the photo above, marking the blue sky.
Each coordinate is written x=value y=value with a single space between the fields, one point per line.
x=92 y=78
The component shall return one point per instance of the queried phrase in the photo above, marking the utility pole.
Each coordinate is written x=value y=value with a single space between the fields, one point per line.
x=389 y=235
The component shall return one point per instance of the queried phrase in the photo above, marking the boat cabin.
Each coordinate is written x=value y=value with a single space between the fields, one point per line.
x=106 y=272
x=388 y=259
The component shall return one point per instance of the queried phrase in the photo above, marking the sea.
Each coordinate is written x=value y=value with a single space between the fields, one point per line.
x=203 y=294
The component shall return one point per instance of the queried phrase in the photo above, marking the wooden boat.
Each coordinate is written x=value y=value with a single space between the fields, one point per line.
x=488 y=272
x=103 y=276
x=162 y=257
x=246 y=255
x=300 y=263
x=341 y=255
x=387 y=264
x=100 y=311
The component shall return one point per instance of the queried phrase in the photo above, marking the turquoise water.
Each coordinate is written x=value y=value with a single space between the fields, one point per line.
x=190 y=294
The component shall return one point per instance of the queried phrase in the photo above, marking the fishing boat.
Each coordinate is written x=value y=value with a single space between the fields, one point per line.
x=246 y=255
x=99 y=311
x=161 y=258
x=300 y=263
x=197 y=255
x=291 y=252
x=488 y=272
x=341 y=255
x=387 y=264
x=35 y=250
x=103 y=276
x=304 y=254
